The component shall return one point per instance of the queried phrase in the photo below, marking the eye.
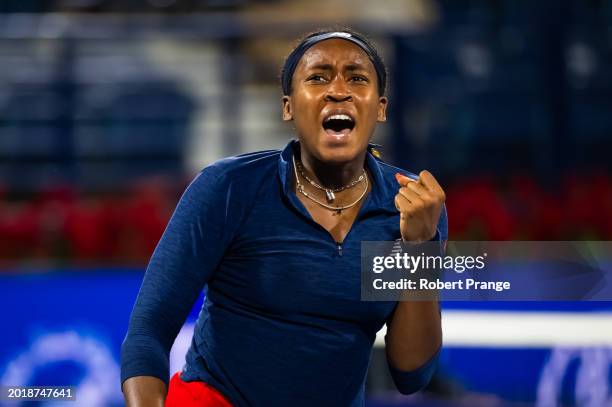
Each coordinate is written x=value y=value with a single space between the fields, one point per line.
x=359 y=78
x=316 y=78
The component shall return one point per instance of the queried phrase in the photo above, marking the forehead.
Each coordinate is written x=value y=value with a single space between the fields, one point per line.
x=335 y=51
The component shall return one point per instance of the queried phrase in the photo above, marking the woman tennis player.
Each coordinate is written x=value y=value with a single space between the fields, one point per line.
x=274 y=239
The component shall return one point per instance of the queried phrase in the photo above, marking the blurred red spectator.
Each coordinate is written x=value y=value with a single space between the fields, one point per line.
x=142 y=220
x=476 y=212
x=87 y=230
x=125 y=227
x=18 y=229
x=53 y=206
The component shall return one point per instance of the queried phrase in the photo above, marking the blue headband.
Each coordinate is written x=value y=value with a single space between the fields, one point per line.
x=294 y=58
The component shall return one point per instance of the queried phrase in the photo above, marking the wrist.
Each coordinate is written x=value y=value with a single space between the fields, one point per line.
x=434 y=238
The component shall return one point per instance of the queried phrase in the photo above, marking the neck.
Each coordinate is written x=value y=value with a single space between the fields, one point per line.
x=332 y=175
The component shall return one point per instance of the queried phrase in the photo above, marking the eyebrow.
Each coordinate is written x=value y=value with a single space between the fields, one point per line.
x=320 y=67
x=356 y=67
x=329 y=67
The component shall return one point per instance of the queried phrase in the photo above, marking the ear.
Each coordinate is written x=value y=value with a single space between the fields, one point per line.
x=287 y=115
x=382 y=109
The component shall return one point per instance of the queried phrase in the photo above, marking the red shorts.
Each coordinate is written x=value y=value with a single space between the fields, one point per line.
x=191 y=394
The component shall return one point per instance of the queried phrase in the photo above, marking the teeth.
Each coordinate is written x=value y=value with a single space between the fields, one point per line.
x=339 y=117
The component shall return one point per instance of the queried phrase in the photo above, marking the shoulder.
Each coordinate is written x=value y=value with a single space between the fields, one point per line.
x=229 y=184
x=254 y=166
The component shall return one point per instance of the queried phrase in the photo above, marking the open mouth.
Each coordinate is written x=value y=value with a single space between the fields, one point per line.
x=338 y=124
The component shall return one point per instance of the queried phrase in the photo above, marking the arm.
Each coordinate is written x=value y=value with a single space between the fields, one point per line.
x=414 y=337
x=183 y=261
x=414 y=332
x=144 y=391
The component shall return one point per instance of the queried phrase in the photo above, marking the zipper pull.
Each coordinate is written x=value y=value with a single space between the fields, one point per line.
x=339 y=245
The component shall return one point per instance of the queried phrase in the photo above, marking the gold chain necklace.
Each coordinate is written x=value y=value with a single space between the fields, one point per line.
x=339 y=209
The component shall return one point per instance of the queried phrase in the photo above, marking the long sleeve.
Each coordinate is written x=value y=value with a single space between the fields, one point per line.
x=415 y=380
x=184 y=260
x=408 y=382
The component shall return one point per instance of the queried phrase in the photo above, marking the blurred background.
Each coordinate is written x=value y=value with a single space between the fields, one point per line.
x=109 y=108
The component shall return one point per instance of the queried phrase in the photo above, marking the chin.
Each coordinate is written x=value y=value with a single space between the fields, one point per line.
x=336 y=153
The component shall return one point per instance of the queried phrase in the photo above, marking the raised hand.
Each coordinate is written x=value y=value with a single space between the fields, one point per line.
x=419 y=203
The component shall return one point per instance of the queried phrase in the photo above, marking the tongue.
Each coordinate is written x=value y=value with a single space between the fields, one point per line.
x=337 y=133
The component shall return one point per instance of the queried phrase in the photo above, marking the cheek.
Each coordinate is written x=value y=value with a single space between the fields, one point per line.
x=307 y=102
x=305 y=109
x=370 y=113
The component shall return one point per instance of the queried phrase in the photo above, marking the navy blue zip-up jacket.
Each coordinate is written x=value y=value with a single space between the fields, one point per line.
x=282 y=322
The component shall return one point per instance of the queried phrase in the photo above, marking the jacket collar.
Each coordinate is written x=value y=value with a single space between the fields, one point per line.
x=384 y=186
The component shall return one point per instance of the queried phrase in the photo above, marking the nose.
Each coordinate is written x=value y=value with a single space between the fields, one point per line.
x=338 y=91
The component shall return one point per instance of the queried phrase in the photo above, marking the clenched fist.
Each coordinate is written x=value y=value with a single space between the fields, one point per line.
x=419 y=203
